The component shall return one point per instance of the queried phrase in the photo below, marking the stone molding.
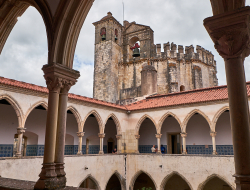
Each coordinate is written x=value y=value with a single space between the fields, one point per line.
x=101 y=135
x=80 y=134
x=20 y=130
x=158 y=136
x=213 y=134
x=118 y=137
x=137 y=136
x=230 y=33
x=183 y=135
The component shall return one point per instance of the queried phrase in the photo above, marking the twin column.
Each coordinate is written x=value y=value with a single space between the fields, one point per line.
x=59 y=79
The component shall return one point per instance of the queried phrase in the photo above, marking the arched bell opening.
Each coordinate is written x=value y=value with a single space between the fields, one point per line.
x=224 y=142
x=176 y=182
x=103 y=33
x=114 y=183
x=116 y=35
x=144 y=182
x=134 y=44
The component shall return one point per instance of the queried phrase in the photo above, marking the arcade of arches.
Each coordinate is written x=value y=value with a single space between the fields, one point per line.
x=22 y=106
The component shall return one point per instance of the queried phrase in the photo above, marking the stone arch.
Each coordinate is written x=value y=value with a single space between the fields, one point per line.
x=217 y=116
x=77 y=116
x=98 y=118
x=39 y=103
x=202 y=185
x=190 y=114
x=121 y=179
x=132 y=182
x=165 y=180
x=164 y=117
x=117 y=123
x=92 y=178
x=140 y=122
x=133 y=40
x=16 y=107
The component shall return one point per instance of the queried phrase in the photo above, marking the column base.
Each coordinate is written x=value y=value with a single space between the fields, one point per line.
x=242 y=182
x=184 y=152
x=18 y=155
x=215 y=153
x=137 y=152
x=48 y=178
x=101 y=152
x=158 y=152
x=79 y=153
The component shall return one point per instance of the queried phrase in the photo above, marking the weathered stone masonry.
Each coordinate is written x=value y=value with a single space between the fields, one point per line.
x=117 y=74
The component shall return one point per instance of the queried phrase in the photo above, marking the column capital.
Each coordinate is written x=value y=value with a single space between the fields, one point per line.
x=213 y=134
x=101 y=135
x=118 y=137
x=158 y=136
x=80 y=134
x=183 y=135
x=21 y=130
x=230 y=33
x=137 y=136
x=59 y=77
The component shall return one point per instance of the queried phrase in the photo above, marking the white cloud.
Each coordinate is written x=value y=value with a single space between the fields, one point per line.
x=178 y=21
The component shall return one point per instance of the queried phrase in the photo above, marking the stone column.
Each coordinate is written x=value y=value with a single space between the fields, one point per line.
x=80 y=135
x=184 y=136
x=230 y=33
x=137 y=144
x=158 y=136
x=20 y=131
x=213 y=134
x=119 y=144
x=101 y=136
x=55 y=75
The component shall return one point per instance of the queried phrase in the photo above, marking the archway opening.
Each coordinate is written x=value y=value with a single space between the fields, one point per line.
x=71 y=138
x=8 y=128
x=30 y=143
x=110 y=142
x=147 y=136
x=182 y=88
x=114 y=183
x=199 y=140
x=224 y=142
x=91 y=141
x=89 y=183
x=176 y=182
x=216 y=184
x=36 y=124
x=171 y=139
x=144 y=182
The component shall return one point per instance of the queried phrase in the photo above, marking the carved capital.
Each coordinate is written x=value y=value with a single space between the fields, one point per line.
x=158 y=136
x=230 y=33
x=80 y=134
x=183 y=135
x=101 y=135
x=59 y=77
x=137 y=136
x=119 y=137
x=213 y=134
x=20 y=130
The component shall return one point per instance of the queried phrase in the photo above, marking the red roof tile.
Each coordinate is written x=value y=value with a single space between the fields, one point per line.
x=162 y=100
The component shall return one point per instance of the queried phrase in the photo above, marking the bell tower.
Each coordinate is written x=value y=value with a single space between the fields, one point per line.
x=108 y=53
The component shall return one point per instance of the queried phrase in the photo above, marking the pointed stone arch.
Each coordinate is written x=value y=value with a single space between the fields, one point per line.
x=190 y=114
x=217 y=116
x=92 y=178
x=39 y=103
x=98 y=118
x=132 y=182
x=121 y=179
x=168 y=177
x=77 y=116
x=117 y=123
x=164 y=117
x=202 y=185
x=138 y=126
x=16 y=107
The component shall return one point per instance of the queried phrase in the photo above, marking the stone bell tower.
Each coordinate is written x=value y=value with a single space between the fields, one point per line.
x=108 y=53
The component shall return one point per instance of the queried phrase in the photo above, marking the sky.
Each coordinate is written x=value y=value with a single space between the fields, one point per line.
x=178 y=21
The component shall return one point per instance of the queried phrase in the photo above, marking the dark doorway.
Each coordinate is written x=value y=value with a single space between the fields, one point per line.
x=174 y=146
x=89 y=183
x=176 y=183
x=110 y=147
x=114 y=183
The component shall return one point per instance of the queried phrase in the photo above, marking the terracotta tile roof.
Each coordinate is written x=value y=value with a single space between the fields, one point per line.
x=161 y=100
x=37 y=88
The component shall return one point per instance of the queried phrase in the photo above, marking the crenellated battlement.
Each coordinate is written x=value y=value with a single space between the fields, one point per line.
x=171 y=51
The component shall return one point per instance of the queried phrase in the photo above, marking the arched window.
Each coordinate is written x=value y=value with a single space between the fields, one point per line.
x=116 y=34
x=182 y=88
x=103 y=33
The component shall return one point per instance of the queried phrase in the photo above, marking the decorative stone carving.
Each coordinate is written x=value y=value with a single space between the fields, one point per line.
x=118 y=137
x=137 y=136
x=183 y=135
x=230 y=33
x=101 y=135
x=213 y=134
x=80 y=134
x=20 y=130
x=158 y=136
